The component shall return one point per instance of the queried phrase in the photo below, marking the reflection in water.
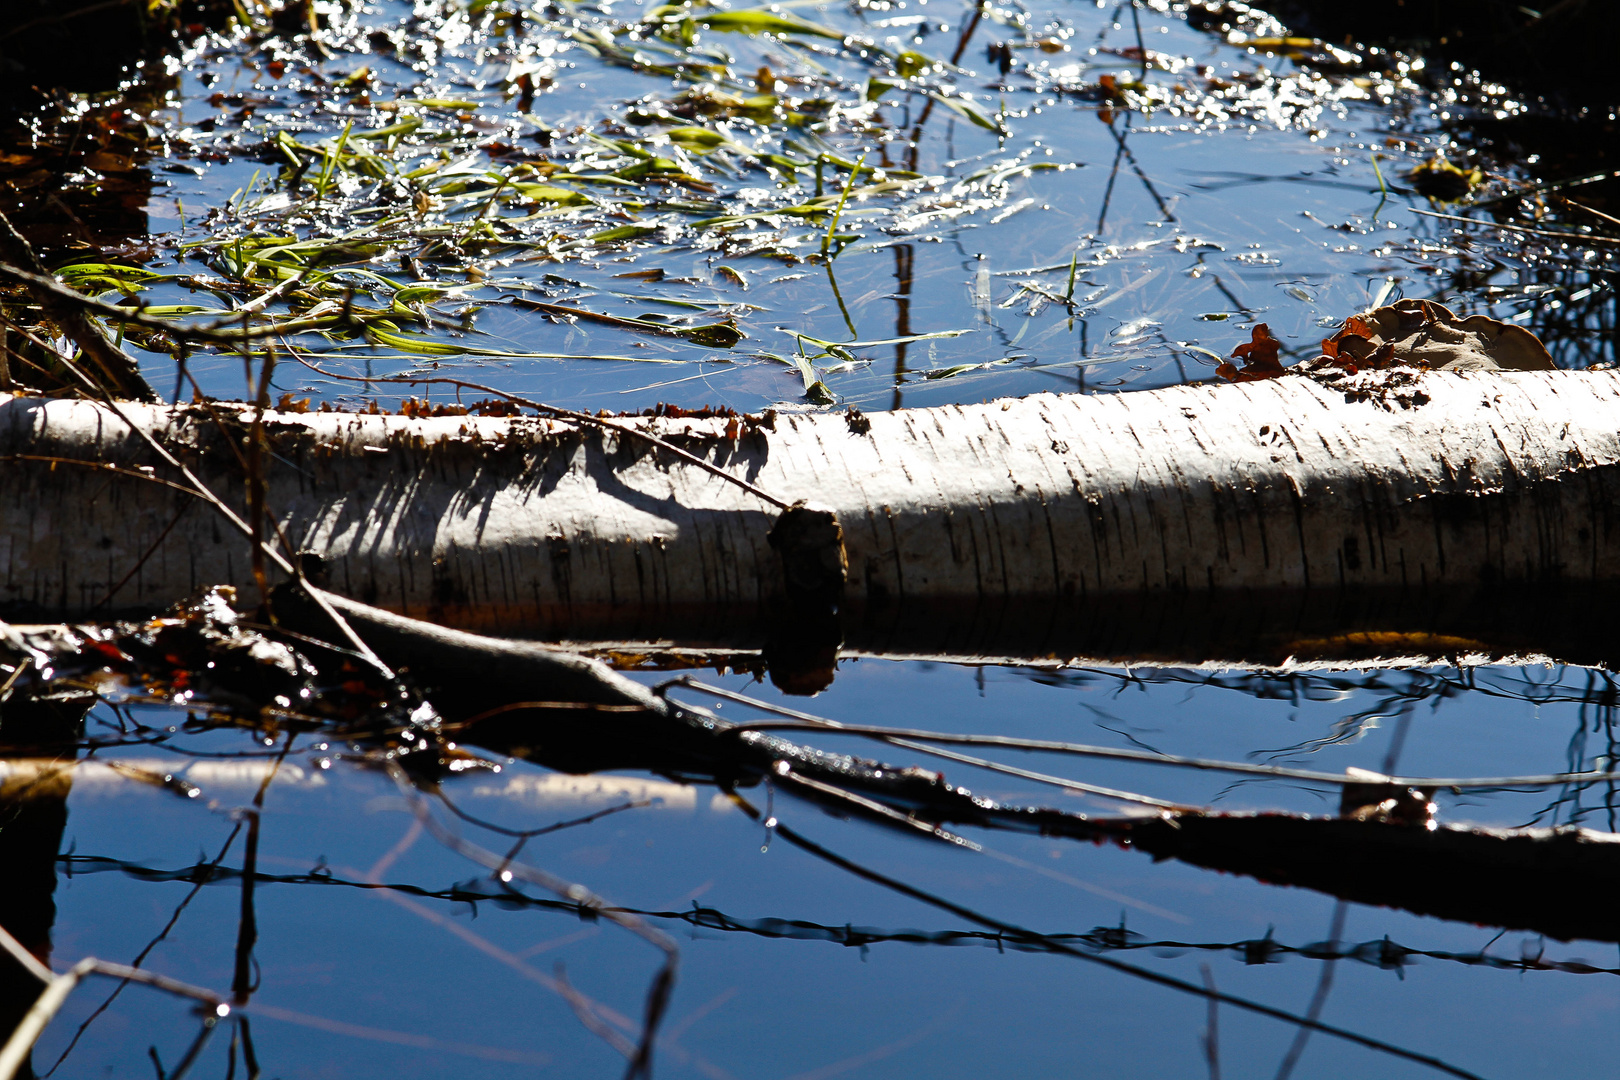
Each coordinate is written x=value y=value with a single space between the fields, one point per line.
x=1381 y=953
x=1308 y=227
x=903 y=263
x=33 y=817
x=1594 y=742
x=532 y=821
x=1124 y=153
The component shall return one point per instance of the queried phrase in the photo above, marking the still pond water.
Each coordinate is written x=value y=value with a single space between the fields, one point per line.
x=1068 y=232
x=790 y=967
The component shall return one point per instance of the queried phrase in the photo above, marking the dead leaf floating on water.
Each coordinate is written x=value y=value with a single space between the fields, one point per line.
x=1259 y=355
x=1417 y=334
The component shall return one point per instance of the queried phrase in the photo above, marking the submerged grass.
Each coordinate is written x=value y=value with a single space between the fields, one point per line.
x=423 y=172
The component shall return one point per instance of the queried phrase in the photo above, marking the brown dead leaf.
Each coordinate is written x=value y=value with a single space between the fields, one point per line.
x=1260 y=356
x=1425 y=335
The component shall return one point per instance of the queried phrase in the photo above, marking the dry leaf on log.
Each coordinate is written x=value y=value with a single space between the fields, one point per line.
x=1408 y=333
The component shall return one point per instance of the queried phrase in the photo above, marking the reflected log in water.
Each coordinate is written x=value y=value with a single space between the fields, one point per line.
x=1558 y=882
x=1391 y=852
x=1264 y=629
x=557 y=707
x=33 y=815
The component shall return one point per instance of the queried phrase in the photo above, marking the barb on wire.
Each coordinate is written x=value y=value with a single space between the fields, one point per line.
x=1019 y=933
x=1379 y=952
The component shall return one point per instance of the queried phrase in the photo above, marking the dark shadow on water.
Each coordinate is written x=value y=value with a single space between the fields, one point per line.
x=33 y=816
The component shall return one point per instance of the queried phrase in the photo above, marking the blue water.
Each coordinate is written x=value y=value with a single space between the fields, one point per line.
x=345 y=973
x=1236 y=187
x=1240 y=187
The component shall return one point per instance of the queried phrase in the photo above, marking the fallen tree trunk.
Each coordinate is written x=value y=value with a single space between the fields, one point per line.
x=1405 y=485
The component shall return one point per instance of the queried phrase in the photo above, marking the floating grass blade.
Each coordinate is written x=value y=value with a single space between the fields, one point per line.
x=826 y=241
x=331 y=162
x=1383 y=188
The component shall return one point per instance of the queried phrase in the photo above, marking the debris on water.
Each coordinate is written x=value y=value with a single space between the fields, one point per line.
x=603 y=202
x=1259 y=356
x=294 y=192
x=1417 y=334
x=1442 y=181
x=205 y=658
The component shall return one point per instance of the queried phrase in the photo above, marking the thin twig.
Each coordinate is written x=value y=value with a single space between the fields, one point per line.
x=106 y=466
x=529 y=834
x=202 y=490
x=1552 y=185
x=1584 y=238
x=1212 y=1032
x=58 y=987
x=553 y=411
x=1319 y=999
x=146 y=557
x=205 y=875
x=788 y=777
x=1610 y=218
x=898 y=736
x=1141 y=47
x=259 y=302
x=663 y=982
x=117 y=368
x=247 y=931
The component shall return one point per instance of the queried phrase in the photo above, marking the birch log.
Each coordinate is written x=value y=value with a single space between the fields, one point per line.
x=1038 y=508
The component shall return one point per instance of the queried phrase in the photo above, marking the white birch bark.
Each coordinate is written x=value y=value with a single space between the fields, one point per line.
x=528 y=524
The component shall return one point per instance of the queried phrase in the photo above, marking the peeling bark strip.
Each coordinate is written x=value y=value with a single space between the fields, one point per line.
x=1428 y=482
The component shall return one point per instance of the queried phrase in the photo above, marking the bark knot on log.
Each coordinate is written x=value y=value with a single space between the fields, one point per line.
x=814 y=563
